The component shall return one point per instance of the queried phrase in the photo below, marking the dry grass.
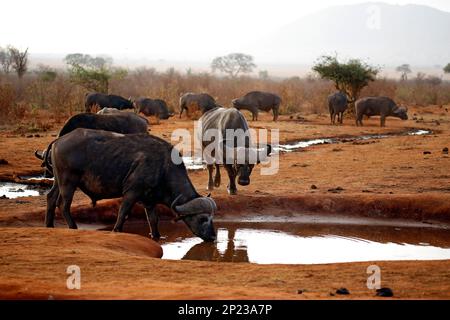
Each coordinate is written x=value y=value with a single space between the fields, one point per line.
x=35 y=103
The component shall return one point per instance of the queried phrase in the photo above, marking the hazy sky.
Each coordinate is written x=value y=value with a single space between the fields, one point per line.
x=168 y=29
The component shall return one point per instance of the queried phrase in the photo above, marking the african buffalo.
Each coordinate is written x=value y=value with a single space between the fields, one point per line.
x=122 y=122
x=153 y=107
x=136 y=167
x=106 y=101
x=378 y=106
x=258 y=100
x=236 y=154
x=337 y=104
x=203 y=101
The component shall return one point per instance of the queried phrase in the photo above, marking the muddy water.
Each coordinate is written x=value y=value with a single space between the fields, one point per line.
x=16 y=190
x=307 y=143
x=299 y=243
x=197 y=163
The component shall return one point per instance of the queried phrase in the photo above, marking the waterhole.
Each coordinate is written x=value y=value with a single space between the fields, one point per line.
x=16 y=190
x=300 y=243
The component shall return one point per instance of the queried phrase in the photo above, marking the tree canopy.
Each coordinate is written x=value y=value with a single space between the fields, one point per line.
x=447 y=68
x=404 y=69
x=92 y=73
x=349 y=77
x=233 y=64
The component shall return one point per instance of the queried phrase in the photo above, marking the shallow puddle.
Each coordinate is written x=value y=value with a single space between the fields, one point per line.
x=298 y=243
x=16 y=190
x=197 y=163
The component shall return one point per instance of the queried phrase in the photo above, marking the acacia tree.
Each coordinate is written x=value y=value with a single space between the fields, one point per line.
x=92 y=73
x=404 y=69
x=233 y=64
x=19 y=60
x=350 y=77
x=447 y=68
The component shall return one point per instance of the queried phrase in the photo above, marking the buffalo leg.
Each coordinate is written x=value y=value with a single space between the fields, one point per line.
x=217 y=176
x=232 y=175
x=275 y=113
x=210 y=178
x=153 y=220
x=341 y=117
x=333 y=118
x=124 y=210
x=52 y=200
x=67 y=193
x=382 y=121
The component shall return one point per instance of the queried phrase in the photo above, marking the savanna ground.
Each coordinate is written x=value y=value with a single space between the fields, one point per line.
x=390 y=179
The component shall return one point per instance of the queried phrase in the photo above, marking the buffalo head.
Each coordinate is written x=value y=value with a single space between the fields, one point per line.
x=401 y=113
x=236 y=103
x=197 y=214
x=245 y=159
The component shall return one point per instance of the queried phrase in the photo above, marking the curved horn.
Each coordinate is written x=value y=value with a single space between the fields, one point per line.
x=172 y=206
x=39 y=154
x=197 y=206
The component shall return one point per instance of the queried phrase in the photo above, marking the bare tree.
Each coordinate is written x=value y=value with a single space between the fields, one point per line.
x=19 y=60
x=233 y=64
x=5 y=60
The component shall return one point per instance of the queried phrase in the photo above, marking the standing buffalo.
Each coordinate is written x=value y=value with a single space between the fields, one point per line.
x=337 y=104
x=257 y=100
x=122 y=122
x=138 y=168
x=378 y=106
x=153 y=107
x=106 y=101
x=238 y=156
x=202 y=101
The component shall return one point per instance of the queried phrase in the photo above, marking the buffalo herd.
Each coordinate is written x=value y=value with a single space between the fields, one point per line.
x=110 y=154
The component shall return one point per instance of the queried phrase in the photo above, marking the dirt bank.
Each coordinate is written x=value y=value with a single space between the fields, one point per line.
x=119 y=266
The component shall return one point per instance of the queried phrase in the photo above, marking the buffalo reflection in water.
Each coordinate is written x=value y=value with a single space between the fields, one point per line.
x=207 y=251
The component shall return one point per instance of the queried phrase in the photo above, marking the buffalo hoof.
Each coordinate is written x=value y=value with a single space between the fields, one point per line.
x=210 y=187
x=217 y=183
x=232 y=192
x=155 y=236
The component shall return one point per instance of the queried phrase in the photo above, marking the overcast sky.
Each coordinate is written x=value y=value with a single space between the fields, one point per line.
x=154 y=29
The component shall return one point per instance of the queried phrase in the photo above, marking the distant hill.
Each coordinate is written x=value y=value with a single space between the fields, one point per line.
x=381 y=33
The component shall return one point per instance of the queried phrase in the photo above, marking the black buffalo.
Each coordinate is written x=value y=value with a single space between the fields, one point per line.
x=153 y=107
x=202 y=101
x=123 y=122
x=106 y=101
x=237 y=155
x=136 y=167
x=258 y=100
x=337 y=104
x=378 y=106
